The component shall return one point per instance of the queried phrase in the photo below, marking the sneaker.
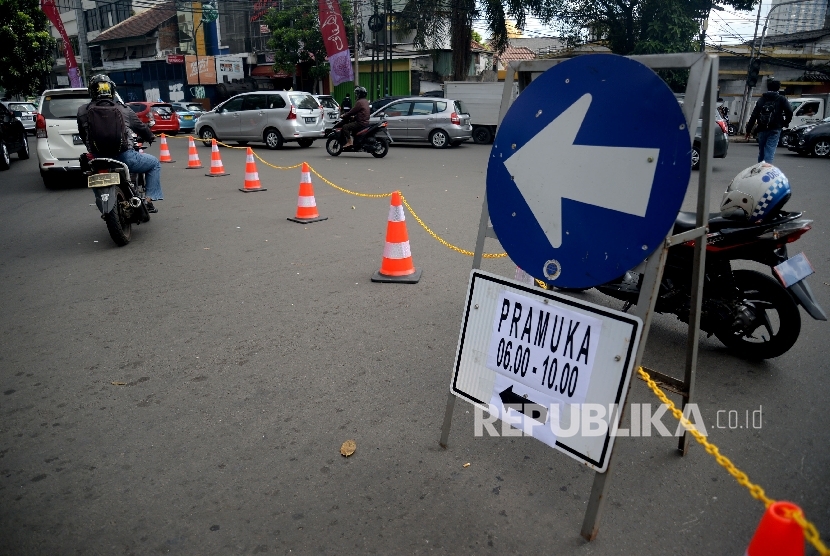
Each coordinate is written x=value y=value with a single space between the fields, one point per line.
x=151 y=207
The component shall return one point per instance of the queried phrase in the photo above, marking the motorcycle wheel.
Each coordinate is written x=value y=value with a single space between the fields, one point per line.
x=777 y=322
x=381 y=148
x=118 y=224
x=333 y=146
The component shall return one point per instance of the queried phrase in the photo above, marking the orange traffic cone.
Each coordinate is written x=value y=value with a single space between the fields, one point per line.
x=306 y=204
x=251 y=175
x=192 y=156
x=778 y=534
x=396 y=265
x=164 y=150
x=216 y=167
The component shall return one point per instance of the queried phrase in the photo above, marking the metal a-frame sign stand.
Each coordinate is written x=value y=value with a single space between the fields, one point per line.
x=701 y=89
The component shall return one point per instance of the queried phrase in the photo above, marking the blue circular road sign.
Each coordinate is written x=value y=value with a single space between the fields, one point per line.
x=588 y=170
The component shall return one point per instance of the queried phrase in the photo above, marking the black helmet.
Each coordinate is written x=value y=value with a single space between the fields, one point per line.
x=360 y=92
x=101 y=86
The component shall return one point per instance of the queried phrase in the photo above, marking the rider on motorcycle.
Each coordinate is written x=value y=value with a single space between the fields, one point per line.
x=102 y=88
x=360 y=113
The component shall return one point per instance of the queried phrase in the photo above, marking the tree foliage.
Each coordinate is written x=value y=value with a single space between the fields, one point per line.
x=637 y=26
x=26 y=55
x=296 y=37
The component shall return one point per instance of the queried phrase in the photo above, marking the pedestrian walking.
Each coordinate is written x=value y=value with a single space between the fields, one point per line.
x=772 y=113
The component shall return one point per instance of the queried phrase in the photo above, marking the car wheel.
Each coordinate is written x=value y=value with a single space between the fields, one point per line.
x=273 y=139
x=695 y=157
x=482 y=135
x=207 y=135
x=23 y=153
x=5 y=160
x=821 y=147
x=305 y=143
x=439 y=139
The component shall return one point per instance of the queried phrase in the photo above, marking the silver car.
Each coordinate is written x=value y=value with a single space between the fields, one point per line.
x=270 y=117
x=440 y=121
x=23 y=111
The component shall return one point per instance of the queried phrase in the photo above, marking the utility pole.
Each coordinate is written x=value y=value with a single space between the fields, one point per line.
x=356 y=20
x=79 y=16
x=748 y=89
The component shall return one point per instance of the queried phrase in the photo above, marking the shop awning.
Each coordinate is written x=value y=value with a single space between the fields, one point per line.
x=268 y=71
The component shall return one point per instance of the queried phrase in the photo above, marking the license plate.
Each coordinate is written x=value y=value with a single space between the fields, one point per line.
x=310 y=120
x=188 y=117
x=794 y=270
x=76 y=140
x=103 y=180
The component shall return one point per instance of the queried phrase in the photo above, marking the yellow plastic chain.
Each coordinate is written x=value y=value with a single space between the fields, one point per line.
x=375 y=196
x=810 y=531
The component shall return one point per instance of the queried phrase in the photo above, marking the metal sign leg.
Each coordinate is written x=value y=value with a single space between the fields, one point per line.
x=645 y=310
x=483 y=228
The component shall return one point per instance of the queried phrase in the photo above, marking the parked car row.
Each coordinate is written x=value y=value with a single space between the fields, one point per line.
x=24 y=112
x=13 y=137
x=720 y=134
x=810 y=139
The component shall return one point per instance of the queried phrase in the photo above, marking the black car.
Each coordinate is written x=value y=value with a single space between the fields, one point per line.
x=812 y=139
x=789 y=136
x=12 y=139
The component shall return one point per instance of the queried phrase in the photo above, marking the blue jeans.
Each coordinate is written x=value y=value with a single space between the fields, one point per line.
x=146 y=164
x=767 y=142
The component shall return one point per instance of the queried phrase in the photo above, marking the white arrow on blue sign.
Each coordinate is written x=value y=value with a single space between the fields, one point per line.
x=588 y=171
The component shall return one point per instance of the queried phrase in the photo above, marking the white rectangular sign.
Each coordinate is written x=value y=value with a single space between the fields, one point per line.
x=545 y=362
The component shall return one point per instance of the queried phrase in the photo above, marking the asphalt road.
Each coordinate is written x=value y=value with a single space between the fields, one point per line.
x=250 y=347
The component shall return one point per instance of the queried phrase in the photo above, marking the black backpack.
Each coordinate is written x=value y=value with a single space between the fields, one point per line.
x=107 y=129
x=766 y=114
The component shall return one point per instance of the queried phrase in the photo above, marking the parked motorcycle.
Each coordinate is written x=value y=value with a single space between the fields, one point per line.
x=119 y=195
x=753 y=314
x=373 y=139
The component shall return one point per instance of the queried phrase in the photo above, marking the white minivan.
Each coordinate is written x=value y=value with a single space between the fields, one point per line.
x=59 y=146
x=270 y=117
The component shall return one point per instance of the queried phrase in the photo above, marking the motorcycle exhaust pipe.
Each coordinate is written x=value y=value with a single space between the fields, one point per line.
x=135 y=202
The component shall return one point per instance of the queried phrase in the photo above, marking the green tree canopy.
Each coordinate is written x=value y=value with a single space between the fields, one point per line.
x=296 y=37
x=26 y=55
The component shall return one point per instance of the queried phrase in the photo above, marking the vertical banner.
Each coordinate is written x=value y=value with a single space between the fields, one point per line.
x=51 y=11
x=333 y=30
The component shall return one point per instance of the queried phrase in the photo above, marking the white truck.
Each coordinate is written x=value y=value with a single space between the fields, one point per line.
x=483 y=101
x=809 y=109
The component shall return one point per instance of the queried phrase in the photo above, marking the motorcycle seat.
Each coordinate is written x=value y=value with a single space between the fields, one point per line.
x=686 y=221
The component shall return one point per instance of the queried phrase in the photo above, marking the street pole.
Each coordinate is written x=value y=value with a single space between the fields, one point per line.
x=356 y=20
x=82 y=46
x=748 y=90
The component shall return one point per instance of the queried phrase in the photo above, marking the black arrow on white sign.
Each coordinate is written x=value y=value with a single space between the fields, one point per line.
x=523 y=405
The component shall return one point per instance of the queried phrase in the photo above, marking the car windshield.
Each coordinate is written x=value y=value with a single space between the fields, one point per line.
x=304 y=101
x=329 y=103
x=22 y=107
x=136 y=107
x=460 y=107
x=162 y=109
x=194 y=107
x=63 y=107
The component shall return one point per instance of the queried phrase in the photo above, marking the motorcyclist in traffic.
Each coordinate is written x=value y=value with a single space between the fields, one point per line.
x=360 y=114
x=102 y=90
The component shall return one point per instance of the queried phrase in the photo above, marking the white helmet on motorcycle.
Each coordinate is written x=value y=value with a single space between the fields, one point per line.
x=756 y=193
